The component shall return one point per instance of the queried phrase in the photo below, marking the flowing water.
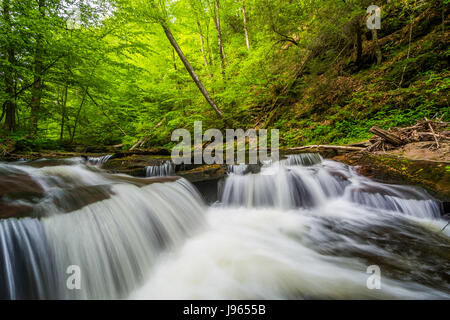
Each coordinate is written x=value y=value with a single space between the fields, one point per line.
x=301 y=228
x=166 y=169
x=98 y=161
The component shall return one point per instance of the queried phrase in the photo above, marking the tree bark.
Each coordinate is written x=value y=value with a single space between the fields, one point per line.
x=407 y=56
x=377 y=46
x=202 y=43
x=78 y=117
x=358 y=41
x=202 y=47
x=174 y=60
x=36 y=91
x=388 y=136
x=219 y=36
x=191 y=71
x=314 y=147
x=358 y=47
x=9 y=105
x=63 y=113
x=208 y=45
x=247 y=40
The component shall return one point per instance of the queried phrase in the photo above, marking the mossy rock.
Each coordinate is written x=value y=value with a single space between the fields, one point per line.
x=204 y=173
x=433 y=176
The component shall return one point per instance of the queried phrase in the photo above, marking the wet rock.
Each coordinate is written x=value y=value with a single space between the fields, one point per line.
x=204 y=173
x=135 y=165
x=446 y=208
x=434 y=176
x=18 y=185
x=130 y=164
x=146 y=152
x=14 y=210
x=69 y=200
x=144 y=182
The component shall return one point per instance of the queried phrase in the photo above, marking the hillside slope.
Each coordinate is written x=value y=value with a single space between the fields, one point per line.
x=335 y=101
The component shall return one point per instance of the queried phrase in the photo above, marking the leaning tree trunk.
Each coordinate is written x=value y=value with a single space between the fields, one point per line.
x=191 y=71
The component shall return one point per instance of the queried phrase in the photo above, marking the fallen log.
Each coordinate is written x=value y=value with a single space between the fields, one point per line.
x=363 y=144
x=342 y=148
x=388 y=136
x=431 y=136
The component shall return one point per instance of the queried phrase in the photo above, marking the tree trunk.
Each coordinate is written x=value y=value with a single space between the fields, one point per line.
x=407 y=56
x=9 y=106
x=78 y=117
x=247 y=41
x=174 y=60
x=219 y=36
x=191 y=71
x=63 y=113
x=358 y=47
x=377 y=46
x=208 y=45
x=36 y=91
x=10 y=113
x=202 y=43
x=358 y=43
x=202 y=47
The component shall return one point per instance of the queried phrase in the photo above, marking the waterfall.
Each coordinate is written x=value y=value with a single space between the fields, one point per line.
x=303 y=159
x=166 y=169
x=26 y=264
x=308 y=228
x=239 y=169
x=305 y=181
x=300 y=228
x=114 y=240
x=98 y=161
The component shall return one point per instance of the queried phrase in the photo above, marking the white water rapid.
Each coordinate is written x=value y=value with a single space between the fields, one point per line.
x=301 y=228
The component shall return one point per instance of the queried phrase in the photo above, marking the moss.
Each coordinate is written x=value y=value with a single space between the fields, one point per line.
x=433 y=176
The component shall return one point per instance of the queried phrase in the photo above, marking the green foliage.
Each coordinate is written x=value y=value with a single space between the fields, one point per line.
x=117 y=79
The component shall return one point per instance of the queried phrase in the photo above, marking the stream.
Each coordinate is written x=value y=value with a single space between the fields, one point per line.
x=301 y=228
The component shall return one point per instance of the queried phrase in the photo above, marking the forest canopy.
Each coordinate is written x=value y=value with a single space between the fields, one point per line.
x=98 y=72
